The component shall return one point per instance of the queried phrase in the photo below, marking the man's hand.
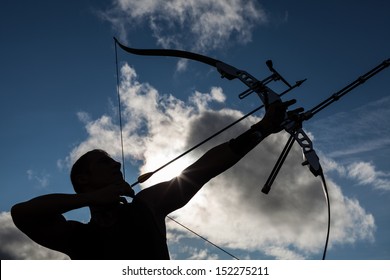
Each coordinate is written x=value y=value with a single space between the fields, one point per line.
x=113 y=193
x=274 y=116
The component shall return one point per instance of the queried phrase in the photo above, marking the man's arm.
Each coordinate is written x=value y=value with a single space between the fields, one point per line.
x=174 y=194
x=171 y=195
x=41 y=218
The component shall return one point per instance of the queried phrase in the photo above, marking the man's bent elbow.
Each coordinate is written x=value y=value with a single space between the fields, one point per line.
x=19 y=215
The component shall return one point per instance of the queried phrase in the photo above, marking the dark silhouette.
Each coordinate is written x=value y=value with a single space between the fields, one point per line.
x=121 y=230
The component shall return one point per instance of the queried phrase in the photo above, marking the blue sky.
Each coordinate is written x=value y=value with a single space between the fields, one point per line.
x=58 y=96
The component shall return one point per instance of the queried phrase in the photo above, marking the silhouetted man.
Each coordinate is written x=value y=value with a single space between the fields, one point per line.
x=120 y=230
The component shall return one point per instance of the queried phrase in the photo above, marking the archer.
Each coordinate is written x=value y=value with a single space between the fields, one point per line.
x=136 y=230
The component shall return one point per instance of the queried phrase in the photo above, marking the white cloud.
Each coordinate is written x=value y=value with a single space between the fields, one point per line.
x=197 y=254
x=362 y=130
x=282 y=253
x=201 y=24
x=16 y=246
x=42 y=179
x=290 y=222
x=362 y=172
x=352 y=145
x=369 y=145
x=366 y=174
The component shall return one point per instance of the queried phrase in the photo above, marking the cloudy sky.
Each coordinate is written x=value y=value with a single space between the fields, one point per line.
x=58 y=96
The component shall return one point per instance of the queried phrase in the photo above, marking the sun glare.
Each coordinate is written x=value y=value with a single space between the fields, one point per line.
x=172 y=170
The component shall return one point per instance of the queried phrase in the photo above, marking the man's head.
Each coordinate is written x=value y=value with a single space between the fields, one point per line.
x=94 y=170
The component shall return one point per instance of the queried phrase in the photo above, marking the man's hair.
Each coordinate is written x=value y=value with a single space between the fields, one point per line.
x=81 y=168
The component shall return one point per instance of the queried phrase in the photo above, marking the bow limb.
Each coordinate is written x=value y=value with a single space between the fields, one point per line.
x=169 y=52
x=226 y=70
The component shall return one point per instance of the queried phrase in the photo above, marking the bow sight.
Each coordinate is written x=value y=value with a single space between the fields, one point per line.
x=292 y=125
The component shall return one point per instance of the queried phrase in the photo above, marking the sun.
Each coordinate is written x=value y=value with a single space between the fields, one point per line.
x=167 y=173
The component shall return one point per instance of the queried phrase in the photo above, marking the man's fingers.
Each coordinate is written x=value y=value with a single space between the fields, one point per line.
x=120 y=188
x=128 y=191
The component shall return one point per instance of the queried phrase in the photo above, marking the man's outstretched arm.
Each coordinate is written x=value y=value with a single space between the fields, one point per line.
x=174 y=194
